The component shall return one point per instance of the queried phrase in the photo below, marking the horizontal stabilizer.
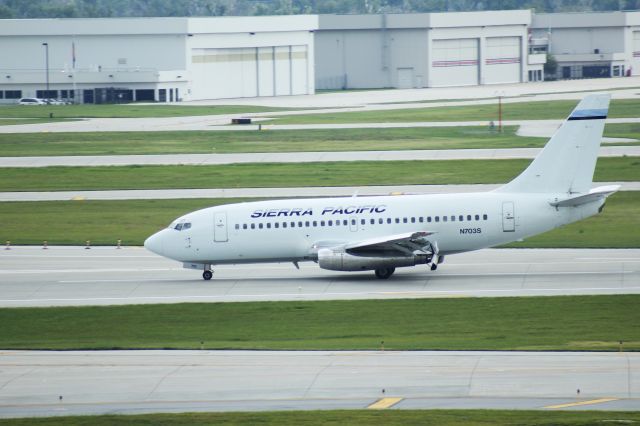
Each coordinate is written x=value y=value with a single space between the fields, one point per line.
x=593 y=195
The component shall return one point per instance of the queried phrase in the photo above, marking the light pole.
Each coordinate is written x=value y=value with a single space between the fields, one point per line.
x=46 y=56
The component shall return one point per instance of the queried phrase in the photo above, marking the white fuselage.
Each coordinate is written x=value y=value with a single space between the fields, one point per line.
x=293 y=230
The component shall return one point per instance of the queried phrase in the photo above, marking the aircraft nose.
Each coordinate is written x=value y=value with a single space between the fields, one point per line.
x=154 y=244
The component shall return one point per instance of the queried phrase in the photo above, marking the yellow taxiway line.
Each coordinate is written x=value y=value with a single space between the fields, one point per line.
x=383 y=403
x=576 y=404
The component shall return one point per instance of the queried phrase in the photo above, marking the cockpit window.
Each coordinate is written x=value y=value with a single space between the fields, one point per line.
x=180 y=225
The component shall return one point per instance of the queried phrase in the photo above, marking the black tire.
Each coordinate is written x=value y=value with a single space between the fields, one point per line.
x=384 y=273
x=207 y=275
x=434 y=266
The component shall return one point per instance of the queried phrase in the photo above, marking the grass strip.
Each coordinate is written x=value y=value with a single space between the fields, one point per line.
x=207 y=142
x=507 y=323
x=533 y=110
x=101 y=222
x=350 y=417
x=265 y=175
x=104 y=222
x=127 y=110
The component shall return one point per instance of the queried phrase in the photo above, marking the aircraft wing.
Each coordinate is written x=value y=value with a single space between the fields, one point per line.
x=407 y=243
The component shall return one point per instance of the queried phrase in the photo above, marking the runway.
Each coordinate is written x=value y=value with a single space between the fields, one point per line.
x=309 y=191
x=295 y=157
x=73 y=276
x=133 y=382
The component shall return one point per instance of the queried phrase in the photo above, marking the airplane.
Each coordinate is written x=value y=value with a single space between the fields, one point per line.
x=382 y=233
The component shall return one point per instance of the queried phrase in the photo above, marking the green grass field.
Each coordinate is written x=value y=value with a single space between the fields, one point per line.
x=104 y=222
x=510 y=323
x=538 y=110
x=101 y=222
x=265 y=175
x=207 y=142
x=351 y=418
x=126 y=110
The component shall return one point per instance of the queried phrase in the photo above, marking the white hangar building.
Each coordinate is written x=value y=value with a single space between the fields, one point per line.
x=590 y=45
x=425 y=50
x=157 y=59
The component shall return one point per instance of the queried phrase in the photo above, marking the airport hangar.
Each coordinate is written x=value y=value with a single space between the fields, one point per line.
x=175 y=59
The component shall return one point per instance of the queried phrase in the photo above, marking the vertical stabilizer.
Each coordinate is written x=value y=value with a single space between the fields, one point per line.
x=567 y=162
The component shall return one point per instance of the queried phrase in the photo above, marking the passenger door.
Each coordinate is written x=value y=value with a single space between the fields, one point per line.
x=508 y=217
x=220 y=227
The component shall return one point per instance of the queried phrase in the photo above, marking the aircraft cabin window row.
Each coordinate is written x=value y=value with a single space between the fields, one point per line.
x=372 y=221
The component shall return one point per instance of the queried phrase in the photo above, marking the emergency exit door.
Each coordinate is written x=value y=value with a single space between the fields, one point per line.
x=508 y=217
x=220 y=227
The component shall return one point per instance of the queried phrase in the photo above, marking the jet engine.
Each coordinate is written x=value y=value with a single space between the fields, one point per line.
x=342 y=261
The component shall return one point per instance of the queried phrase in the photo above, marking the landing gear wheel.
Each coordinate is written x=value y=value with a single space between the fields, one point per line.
x=434 y=266
x=207 y=275
x=384 y=273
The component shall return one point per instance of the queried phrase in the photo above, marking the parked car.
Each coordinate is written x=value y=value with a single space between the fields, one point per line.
x=31 y=101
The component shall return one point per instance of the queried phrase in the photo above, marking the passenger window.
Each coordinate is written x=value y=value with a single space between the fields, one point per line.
x=330 y=223
x=284 y=224
x=315 y=223
x=237 y=226
x=269 y=225
x=306 y=224
x=300 y=224
x=244 y=226
x=345 y=222
x=397 y=220
x=428 y=218
x=380 y=221
x=253 y=226
x=293 y=224
x=468 y=217
x=373 y=221
x=421 y=219
x=322 y=223
x=477 y=217
x=362 y=221
x=484 y=217
x=444 y=218
x=388 y=220
x=413 y=220
x=404 y=220
x=460 y=218
x=437 y=218
x=276 y=225
x=453 y=218
x=260 y=225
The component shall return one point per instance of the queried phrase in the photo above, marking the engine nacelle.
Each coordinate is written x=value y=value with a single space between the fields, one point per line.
x=341 y=261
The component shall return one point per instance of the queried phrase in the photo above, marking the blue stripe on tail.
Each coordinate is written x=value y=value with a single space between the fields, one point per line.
x=589 y=114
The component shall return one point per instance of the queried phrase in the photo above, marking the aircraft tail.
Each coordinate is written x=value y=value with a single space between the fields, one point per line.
x=567 y=162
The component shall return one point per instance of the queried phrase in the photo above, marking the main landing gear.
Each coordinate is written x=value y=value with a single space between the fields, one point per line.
x=384 y=273
x=207 y=275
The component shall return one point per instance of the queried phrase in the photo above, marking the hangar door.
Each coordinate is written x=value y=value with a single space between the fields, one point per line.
x=455 y=62
x=249 y=72
x=502 y=60
x=635 y=65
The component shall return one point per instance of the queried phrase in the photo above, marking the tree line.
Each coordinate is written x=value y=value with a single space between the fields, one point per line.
x=21 y=9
